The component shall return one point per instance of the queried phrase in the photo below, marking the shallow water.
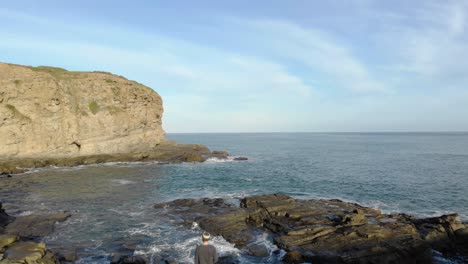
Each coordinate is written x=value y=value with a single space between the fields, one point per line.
x=418 y=173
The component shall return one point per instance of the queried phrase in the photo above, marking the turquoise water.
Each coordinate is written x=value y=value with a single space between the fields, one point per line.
x=419 y=173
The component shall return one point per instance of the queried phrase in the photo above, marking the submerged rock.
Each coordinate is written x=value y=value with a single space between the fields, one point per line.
x=35 y=225
x=240 y=158
x=323 y=231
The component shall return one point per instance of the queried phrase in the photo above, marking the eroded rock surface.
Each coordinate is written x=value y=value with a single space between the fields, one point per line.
x=50 y=112
x=324 y=231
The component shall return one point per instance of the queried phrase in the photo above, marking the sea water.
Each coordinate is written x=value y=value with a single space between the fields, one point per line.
x=425 y=174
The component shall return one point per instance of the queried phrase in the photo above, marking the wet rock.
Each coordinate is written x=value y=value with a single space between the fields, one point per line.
x=28 y=252
x=228 y=260
x=6 y=240
x=258 y=250
x=215 y=216
x=219 y=154
x=35 y=225
x=68 y=254
x=240 y=158
x=321 y=231
x=293 y=257
x=5 y=219
x=135 y=260
x=170 y=261
x=440 y=232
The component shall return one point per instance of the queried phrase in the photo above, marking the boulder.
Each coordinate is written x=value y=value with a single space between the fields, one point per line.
x=25 y=252
x=258 y=250
x=6 y=240
x=66 y=254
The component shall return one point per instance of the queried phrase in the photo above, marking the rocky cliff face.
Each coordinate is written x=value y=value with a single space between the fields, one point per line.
x=54 y=113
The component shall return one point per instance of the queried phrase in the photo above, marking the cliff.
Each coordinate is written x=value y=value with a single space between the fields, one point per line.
x=51 y=116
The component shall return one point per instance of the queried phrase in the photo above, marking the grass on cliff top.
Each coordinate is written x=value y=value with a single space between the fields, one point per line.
x=48 y=69
x=56 y=72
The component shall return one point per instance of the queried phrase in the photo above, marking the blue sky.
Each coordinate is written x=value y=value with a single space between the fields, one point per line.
x=263 y=66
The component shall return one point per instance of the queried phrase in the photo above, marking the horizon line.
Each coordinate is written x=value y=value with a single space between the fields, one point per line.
x=328 y=132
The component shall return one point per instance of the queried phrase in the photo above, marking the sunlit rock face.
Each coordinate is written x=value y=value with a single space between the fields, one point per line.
x=53 y=113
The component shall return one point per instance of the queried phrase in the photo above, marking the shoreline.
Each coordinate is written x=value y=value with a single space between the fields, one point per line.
x=303 y=228
x=167 y=152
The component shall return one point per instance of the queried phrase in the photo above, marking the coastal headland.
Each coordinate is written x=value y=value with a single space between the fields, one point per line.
x=53 y=117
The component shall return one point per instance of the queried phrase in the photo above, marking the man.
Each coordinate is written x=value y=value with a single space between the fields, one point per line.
x=205 y=253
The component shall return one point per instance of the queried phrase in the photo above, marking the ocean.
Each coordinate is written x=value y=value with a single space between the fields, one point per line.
x=424 y=174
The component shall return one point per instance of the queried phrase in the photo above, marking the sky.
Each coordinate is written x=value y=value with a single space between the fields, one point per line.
x=263 y=66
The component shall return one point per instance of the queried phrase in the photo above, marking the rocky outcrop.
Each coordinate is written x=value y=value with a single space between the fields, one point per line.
x=51 y=116
x=51 y=112
x=16 y=244
x=324 y=231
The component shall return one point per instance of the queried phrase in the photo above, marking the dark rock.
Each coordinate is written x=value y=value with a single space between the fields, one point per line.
x=228 y=260
x=258 y=250
x=170 y=261
x=240 y=158
x=293 y=257
x=121 y=259
x=68 y=254
x=5 y=219
x=35 y=225
x=322 y=231
x=440 y=232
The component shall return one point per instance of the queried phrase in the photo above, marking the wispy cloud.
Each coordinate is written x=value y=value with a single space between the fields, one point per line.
x=397 y=68
x=319 y=52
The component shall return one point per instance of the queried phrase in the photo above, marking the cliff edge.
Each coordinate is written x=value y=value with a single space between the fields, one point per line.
x=51 y=116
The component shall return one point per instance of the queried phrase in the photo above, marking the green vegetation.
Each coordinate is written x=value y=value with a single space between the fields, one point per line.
x=93 y=107
x=17 y=82
x=48 y=69
x=110 y=81
x=56 y=72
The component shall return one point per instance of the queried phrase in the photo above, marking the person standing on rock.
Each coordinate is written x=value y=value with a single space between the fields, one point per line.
x=206 y=253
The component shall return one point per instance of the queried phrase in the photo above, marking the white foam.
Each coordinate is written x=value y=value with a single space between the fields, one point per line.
x=123 y=181
x=25 y=213
x=219 y=160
